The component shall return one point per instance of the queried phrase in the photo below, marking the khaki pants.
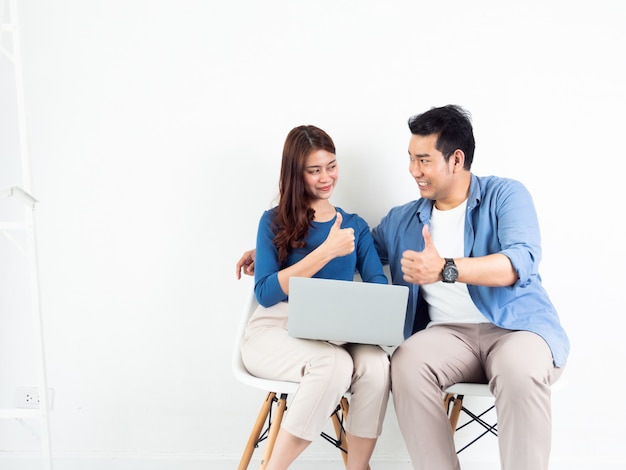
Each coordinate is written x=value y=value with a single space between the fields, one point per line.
x=324 y=371
x=519 y=369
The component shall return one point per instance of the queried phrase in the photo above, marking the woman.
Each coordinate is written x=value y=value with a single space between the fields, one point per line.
x=306 y=236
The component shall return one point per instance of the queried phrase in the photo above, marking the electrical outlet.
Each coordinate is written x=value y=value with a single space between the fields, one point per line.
x=28 y=397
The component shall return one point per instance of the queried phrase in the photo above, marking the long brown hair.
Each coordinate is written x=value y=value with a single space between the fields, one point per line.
x=293 y=213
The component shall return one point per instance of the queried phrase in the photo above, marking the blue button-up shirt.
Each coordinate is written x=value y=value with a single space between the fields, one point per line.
x=500 y=218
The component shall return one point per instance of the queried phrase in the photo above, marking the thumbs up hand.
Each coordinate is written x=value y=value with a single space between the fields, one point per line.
x=422 y=267
x=340 y=241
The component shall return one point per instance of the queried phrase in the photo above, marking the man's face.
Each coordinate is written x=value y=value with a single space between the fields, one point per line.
x=434 y=176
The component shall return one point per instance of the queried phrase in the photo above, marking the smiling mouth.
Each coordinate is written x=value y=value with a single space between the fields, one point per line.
x=422 y=184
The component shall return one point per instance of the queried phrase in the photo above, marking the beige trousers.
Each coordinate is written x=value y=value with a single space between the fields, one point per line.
x=519 y=369
x=324 y=371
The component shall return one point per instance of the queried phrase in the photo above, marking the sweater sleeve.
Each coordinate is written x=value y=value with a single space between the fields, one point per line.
x=266 y=287
x=368 y=262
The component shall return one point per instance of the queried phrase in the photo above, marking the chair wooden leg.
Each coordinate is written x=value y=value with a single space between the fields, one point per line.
x=274 y=427
x=344 y=405
x=447 y=399
x=457 y=405
x=339 y=432
x=273 y=431
x=256 y=432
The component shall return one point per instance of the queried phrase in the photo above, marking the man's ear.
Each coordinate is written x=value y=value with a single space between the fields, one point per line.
x=458 y=158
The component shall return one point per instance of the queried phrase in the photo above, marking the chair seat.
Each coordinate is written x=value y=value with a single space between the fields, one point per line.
x=477 y=390
x=482 y=390
x=267 y=385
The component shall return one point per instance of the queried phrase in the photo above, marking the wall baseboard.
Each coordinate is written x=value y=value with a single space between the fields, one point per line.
x=115 y=461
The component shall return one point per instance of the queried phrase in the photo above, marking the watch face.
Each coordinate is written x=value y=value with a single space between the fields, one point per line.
x=450 y=273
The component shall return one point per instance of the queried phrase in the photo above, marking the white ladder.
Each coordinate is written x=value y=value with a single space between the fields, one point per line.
x=22 y=194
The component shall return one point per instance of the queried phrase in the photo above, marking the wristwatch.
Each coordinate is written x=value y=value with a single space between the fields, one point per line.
x=450 y=271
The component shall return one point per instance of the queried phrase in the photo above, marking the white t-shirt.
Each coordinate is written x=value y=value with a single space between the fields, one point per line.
x=450 y=302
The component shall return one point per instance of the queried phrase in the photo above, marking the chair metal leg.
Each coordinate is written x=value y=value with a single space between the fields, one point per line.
x=273 y=430
x=253 y=440
x=489 y=428
x=454 y=412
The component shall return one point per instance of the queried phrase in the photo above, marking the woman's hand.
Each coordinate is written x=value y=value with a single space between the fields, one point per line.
x=340 y=241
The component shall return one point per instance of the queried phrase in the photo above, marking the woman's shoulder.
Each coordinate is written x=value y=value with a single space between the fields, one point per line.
x=268 y=216
x=351 y=219
x=269 y=213
x=345 y=214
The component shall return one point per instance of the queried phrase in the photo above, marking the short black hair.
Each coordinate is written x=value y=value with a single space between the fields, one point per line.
x=453 y=127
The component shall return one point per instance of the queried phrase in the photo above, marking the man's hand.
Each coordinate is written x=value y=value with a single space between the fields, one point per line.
x=422 y=267
x=246 y=264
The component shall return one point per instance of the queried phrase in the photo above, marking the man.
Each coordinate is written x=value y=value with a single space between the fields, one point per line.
x=469 y=250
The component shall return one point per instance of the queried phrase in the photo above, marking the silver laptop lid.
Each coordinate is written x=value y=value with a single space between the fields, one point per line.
x=347 y=311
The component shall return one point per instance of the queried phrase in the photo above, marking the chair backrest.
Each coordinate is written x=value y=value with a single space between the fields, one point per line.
x=239 y=369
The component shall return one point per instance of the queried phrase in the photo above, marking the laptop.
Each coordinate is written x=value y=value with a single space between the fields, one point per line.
x=347 y=311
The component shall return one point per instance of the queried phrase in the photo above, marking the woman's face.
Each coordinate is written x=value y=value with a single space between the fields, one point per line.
x=320 y=174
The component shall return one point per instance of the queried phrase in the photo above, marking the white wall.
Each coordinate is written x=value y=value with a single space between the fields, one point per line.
x=155 y=131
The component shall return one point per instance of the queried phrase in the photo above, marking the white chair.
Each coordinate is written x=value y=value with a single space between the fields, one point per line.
x=453 y=404
x=272 y=408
